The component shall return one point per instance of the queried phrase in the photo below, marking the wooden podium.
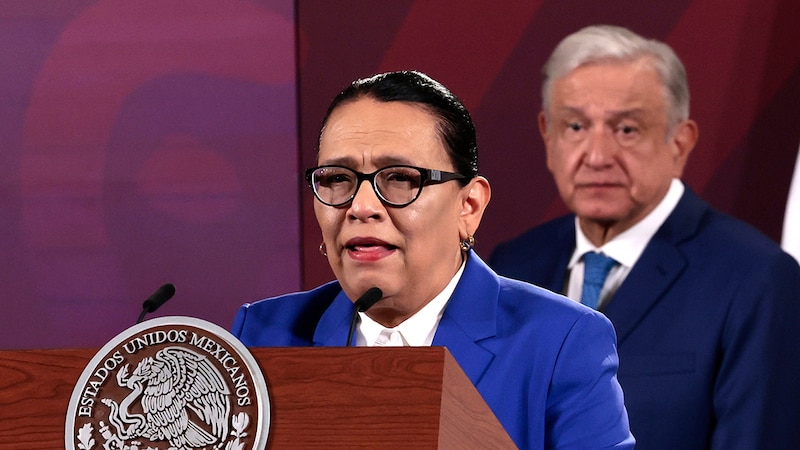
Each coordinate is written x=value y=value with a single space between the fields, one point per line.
x=401 y=397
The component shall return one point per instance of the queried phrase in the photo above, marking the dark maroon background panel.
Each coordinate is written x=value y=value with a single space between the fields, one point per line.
x=742 y=57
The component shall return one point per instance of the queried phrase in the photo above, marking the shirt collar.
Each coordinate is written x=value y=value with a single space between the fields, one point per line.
x=419 y=329
x=630 y=244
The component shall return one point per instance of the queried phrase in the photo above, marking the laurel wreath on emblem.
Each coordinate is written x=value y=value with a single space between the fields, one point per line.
x=176 y=389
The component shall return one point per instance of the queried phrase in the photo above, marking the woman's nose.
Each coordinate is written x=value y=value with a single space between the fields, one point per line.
x=366 y=202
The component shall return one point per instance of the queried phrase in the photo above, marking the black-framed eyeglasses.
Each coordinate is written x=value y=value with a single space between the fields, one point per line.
x=396 y=186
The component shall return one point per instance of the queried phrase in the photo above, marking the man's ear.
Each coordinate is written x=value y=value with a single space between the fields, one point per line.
x=543 y=125
x=684 y=138
x=543 y=132
x=473 y=205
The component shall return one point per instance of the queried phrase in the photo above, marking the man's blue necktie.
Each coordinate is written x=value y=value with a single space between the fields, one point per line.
x=596 y=268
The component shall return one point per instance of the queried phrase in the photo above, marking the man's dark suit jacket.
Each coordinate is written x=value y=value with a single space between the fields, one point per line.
x=706 y=325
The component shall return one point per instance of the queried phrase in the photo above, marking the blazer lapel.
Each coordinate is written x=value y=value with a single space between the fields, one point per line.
x=470 y=317
x=335 y=322
x=657 y=269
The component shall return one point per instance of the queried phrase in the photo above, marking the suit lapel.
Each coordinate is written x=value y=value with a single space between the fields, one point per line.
x=651 y=277
x=558 y=276
x=657 y=269
x=470 y=317
x=335 y=322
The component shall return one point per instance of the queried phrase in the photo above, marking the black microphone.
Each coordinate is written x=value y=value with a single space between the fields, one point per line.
x=158 y=298
x=364 y=303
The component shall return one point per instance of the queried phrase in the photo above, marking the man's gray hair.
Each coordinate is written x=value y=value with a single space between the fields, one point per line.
x=608 y=43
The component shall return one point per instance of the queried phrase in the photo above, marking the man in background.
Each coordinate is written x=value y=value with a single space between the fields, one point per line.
x=702 y=303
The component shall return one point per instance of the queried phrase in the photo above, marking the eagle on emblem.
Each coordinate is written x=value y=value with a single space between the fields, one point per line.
x=183 y=398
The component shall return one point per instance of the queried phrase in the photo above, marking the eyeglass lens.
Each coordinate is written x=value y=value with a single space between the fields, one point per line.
x=397 y=185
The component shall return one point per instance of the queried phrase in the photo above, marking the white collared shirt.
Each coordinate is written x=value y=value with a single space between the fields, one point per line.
x=626 y=248
x=416 y=331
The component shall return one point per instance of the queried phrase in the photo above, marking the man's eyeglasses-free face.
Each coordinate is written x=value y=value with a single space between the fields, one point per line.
x=396 y=186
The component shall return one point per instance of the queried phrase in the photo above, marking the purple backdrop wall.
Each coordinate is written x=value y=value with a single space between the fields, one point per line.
x=157 y=141
x=142 y=143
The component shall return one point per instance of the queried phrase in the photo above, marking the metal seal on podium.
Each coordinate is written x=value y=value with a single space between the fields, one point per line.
x=170 y=383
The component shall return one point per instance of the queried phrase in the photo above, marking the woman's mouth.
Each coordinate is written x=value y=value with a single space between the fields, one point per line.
x=368 y=249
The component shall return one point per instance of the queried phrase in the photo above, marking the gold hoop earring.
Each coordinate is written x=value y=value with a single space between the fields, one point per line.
x=323 y=250
x=467 y=244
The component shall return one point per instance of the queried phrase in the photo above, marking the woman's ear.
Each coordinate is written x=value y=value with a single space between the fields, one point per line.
x=473 y=204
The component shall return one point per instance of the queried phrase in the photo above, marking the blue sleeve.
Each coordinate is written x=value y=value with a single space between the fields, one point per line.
x=585 y=408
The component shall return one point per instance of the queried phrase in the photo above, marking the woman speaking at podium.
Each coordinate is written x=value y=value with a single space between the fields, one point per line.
x=399 y=199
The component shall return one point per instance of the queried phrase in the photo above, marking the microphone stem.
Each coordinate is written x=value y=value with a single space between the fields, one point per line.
x=353 y=320
x=364 y=303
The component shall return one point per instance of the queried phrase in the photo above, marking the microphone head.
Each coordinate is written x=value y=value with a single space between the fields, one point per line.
x=159 y=297
x=369 y=298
